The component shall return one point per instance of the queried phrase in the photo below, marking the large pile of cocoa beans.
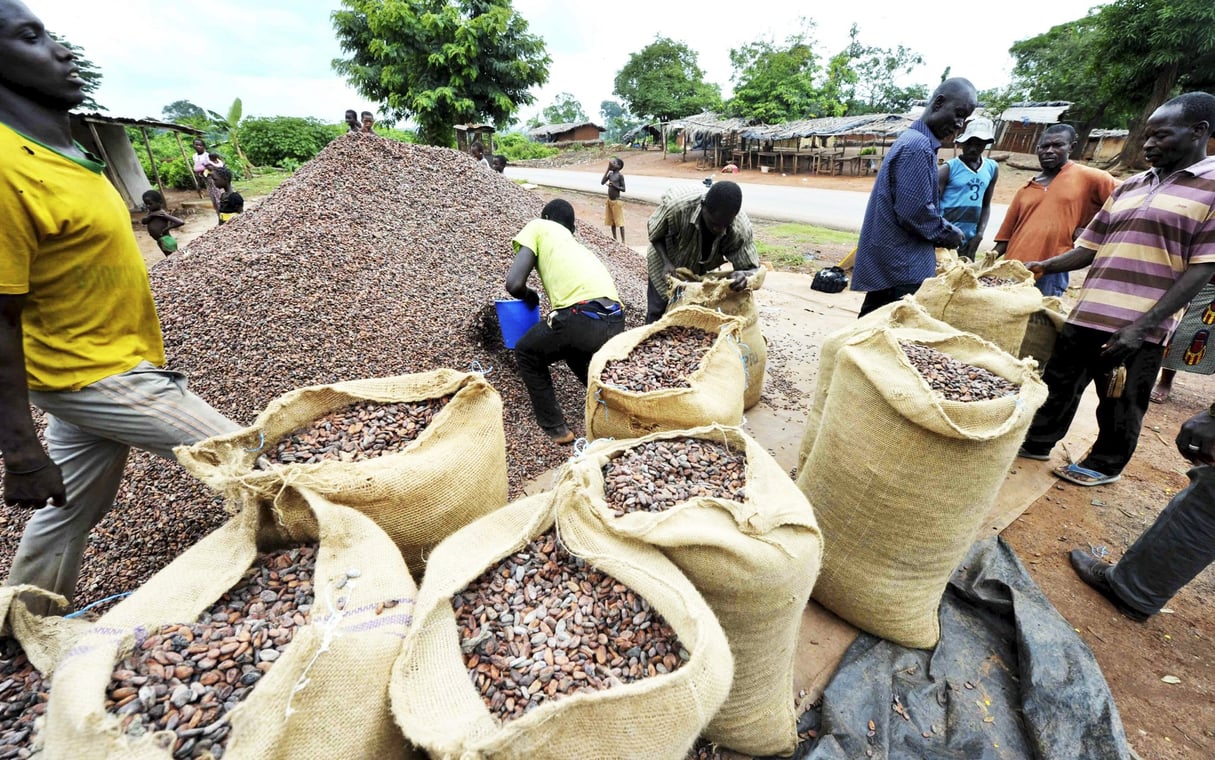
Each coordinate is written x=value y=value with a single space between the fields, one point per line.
x=376 y=258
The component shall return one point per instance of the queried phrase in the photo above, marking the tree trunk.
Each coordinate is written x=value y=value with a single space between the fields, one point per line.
x=1085 y=128
x=1132 y=151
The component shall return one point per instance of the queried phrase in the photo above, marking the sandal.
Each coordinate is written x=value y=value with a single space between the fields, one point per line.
x=1082 y=476
x=1025 y=453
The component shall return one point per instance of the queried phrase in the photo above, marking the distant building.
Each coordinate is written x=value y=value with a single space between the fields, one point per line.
x=577 y=132
x=1021 y=124
x=467 y=134
x=106 y=138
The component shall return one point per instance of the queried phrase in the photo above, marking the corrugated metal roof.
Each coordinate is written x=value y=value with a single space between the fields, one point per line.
x=875 y=123
x=548 y=130
x=708 y=123
x=1036 y=113
x=98 y=118
x=1099 y=133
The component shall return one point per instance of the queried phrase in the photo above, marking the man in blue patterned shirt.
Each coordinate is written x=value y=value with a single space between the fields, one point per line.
x=903 y=223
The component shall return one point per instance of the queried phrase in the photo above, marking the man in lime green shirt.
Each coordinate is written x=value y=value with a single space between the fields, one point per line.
x=586 y=309
x=79 y=334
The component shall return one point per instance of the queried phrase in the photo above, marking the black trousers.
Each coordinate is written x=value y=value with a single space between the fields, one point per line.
x=655 y=304
x=876 y=299
x=1173 y=550
x=1075 y=363
x=566 y=336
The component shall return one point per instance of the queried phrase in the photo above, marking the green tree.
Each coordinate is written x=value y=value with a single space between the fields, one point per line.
x=565 y=109
x=231 y=125
x=440 y=62
x=1164 y=47
x=775 y=83
x=89 y=72
x=872 y=86
x=186 y=113
x=616 y=119
x=663 y=81
x=283 y=140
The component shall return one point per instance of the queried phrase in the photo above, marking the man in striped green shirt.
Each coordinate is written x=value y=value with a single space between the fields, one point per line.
x=698 y=231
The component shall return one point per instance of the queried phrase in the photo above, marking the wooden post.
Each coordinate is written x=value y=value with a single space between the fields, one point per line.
x=664 y=142
x=189 y=165
x=105 y=156
x=152 y=161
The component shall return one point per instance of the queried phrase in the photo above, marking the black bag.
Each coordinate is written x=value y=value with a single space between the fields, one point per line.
x=830 y=280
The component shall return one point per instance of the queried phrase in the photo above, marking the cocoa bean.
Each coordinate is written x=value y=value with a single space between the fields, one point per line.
x=657 y=475
x=663 y=360
x=23 y=697
x=953 y=379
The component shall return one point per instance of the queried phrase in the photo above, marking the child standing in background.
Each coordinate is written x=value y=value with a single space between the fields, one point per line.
x=230 y=202
x=614 y=211
x=159 y=222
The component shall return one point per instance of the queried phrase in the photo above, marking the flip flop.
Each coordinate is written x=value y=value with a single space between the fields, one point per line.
x=1082 y=476
x=1026 y=454
x=1160 y=395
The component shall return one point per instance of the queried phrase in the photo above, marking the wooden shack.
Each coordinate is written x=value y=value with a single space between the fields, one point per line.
x=583 y=133
x=467 y=134
x=106 y=138
x=1022 y=124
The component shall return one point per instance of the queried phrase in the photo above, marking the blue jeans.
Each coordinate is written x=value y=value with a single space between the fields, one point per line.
x=88 y=435
x=1053 y=284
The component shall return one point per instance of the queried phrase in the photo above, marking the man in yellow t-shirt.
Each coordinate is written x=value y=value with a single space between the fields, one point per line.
x=586 y=309
x=79 y=335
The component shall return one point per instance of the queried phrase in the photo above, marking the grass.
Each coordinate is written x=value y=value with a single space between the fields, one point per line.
x=795 y=247
x=266 y=182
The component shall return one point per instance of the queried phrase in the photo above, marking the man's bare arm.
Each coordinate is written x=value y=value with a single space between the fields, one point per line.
x=30 y=477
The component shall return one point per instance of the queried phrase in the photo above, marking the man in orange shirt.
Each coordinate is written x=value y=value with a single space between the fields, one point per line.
x=1041 y=224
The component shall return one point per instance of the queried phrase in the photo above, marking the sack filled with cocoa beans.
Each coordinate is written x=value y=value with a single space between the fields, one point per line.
x=993 y=303
x=31 y=645
x=548 y=640
x=685 y=370
x=725 y=513
x=714 y=292
x=422 y=454
x=904 y=313
x=271 y=638
x=1042 y=330
x=917 y=436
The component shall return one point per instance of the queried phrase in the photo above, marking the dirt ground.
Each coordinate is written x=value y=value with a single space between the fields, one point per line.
x=1163 y=721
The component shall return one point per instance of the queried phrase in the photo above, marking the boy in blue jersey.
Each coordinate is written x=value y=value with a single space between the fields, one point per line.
x=967 y=183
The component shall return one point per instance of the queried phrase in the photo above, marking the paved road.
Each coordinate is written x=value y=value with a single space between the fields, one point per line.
x=838 y=209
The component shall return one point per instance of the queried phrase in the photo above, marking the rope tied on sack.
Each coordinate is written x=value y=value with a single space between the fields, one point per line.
x=329 y=631
x=261 y=442
x=599 y=399
x=99 y=602
x=479 y=369
x=744 y=355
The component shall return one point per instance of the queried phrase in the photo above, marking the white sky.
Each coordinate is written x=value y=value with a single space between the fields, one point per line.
x=275 y=54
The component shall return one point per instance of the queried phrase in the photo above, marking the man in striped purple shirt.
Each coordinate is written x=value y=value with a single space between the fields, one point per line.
x=1151 y=248
x=903 y=223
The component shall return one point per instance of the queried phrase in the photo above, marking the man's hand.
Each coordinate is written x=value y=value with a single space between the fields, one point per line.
x=1196 y=439
x=970 y=249
x=531 y=298
x=35 y=488
x=1123 y=343
x=738 y=281
x=953 y=238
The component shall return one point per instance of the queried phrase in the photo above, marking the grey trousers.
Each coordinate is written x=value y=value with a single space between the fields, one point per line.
x=89 y=434
x=1173 y=550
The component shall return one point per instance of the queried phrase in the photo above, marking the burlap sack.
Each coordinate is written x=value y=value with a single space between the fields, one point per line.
x=714 y=292
x=327 y=694
x=438 y=707
x=904 y=313
x=754 y=562
x=715 y=394
x=998 y=314
x=453 y=473
x=1042 y=330
x=901 y=479
x=45 y=639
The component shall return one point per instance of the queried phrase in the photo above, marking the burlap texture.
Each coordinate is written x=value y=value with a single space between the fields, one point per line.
x=901 y=479
x=438 y=707
x=325 y=697
x=714 y=395
x=904 y=313
x=44 y=638
x=754 y=562
x=1042 y=330
x=453 y=473
x=998 y=314
x=714 y=292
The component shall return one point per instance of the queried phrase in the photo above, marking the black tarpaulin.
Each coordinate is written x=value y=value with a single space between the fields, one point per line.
x=1010 y=679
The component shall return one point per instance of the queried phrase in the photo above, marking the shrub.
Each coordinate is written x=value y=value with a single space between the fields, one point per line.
x=273 y=140
x=517 y=147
